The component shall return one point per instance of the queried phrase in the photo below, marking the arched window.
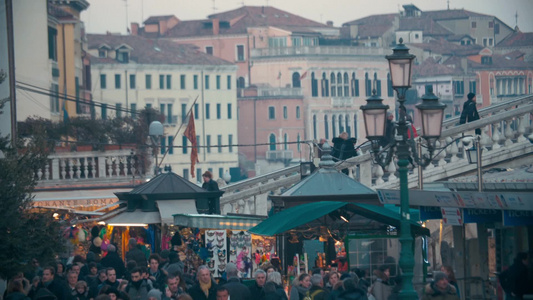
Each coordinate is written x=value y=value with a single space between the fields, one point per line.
x=341 y=124
x=314 y=85
x=326 y=127
x=346 y=85
x=368 y=86
x=333 y=85
x=272 y=141
x=334 y=125
x=296 y=80
x=378 y=84
x=347 y=124
x=390 y=92
x=355 y=86
x=355 y=132
x=314 y=127
x=325 y=85
x=285 y=142
x=240 y=82
x=339 y=84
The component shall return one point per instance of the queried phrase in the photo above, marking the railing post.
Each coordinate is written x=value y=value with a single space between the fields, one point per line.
x=101 y=166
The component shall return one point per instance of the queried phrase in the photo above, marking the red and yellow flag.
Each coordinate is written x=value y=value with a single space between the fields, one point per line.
x=190 y=134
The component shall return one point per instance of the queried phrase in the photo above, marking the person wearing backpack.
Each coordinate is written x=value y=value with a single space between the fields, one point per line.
x=514 y=280
x=317 y=291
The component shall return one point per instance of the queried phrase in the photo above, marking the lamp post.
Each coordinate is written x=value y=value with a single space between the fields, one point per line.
x=374 y=113
x=155 y=131
x=474 y=157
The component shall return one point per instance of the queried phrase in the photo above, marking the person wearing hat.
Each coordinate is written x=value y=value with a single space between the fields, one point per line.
x=440 y=288
x=211 y=186
x=470 y=113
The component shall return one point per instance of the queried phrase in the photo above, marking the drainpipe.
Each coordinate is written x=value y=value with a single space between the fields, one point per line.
x=11 y=72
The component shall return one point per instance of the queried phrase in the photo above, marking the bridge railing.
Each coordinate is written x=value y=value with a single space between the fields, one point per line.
x=504 y=129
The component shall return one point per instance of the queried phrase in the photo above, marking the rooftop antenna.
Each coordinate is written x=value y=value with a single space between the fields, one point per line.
x=266 y=2
x=516 y=18
x=214 y=7
x=448 y=4
x=127 y=19
x=142 y=11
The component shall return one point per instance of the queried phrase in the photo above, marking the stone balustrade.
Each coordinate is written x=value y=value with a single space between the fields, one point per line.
x=66 y=167
x=504 y=130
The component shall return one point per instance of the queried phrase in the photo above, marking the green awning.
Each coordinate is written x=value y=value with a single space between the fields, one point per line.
x=302 y=214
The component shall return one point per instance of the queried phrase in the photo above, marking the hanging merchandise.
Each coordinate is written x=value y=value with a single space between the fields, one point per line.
x=262 y=250
x=215 y=242
x=240 y=252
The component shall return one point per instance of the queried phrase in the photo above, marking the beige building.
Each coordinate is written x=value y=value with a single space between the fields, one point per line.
x=130 y=73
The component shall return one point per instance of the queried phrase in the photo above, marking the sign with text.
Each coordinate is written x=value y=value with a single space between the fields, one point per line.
x=474 y=215
x=430 y=213
x=452 y=216
x=517 y=218
x=482 y=200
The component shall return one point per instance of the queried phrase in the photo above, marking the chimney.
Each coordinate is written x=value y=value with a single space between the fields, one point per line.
x=216 y=26
x=329 y=23
x=134 y=28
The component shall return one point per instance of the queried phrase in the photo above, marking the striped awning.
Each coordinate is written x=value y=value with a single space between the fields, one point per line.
x=216 y=221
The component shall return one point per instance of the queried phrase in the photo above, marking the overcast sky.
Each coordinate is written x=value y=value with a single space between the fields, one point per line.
x=112 y=15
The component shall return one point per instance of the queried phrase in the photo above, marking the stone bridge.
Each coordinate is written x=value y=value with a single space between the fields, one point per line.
x=505 y=128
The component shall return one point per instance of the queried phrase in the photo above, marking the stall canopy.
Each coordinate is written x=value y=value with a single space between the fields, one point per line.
x=216 y=221
x=325 y=213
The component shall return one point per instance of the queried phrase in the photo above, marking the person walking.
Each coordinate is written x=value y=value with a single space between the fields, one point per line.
x=205 y=288
x=136 y=254
x=514 y=280
x=469 y=113
x=317 y=291
x=382 y=288
x=211 y=186
x=237 y=290
x=440 y=288
x=256 y=289
x=300 y=287
x=279 y=293
x=137 y=288
x=113 y=260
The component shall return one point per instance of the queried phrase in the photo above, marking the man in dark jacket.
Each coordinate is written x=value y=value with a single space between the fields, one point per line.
x=58 y=287
x=470 y=113
x=237 y=290
x=211 y=186
x=205 y=288
x=256 y=289
x=136 y=254
x=518 y=277
x=317 y=291
x=112 y=260
x=111 y=280
x=137 y=288
x=351 y=291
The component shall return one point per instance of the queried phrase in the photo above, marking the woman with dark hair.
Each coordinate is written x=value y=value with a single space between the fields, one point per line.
x=382 y=288
x=451 y=278
x=300 y=286
x=15 y=290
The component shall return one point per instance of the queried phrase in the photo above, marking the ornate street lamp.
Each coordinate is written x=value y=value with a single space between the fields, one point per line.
x=474 y=157
x=400 y=64
x=155 y=131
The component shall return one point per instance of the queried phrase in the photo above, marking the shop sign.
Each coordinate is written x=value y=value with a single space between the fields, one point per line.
x=472 y=215
x=430 y=213
x=452 y=216
x=517 y=218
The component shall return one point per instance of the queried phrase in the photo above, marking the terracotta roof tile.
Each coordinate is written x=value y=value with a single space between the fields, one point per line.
x=156 y=19
x=428 y=26
x=452 y=14
x=502 y=62
x=445 y=47
x=373 y=26
x=157 y=51
x=238 y=20
x=430 y=67
x=517 y=39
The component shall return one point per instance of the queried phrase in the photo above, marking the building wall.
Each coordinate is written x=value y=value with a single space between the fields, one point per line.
x=140 y=96
x=66 y=60
x=33 y=67
x=320 y=106
x=224 y=47
x=254 y=118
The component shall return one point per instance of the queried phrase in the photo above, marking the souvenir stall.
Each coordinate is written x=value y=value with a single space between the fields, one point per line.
x=215 y=240
x=330 y=207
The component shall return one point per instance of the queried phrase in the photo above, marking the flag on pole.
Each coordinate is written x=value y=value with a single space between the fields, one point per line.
x=190 y=134
x=303 y=75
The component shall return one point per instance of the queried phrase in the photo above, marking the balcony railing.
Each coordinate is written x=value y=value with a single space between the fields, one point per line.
x=273 y=92
x=318 y=50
